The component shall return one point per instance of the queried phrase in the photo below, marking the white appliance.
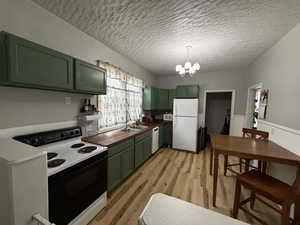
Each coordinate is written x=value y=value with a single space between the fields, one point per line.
x=168 y=116
x=71 y=163
x=155 y=139
x=185 y=124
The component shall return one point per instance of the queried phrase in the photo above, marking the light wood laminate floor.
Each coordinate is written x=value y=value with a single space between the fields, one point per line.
x=180 y=174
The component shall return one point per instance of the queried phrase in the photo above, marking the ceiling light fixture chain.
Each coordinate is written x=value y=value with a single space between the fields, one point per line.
x=188 y=69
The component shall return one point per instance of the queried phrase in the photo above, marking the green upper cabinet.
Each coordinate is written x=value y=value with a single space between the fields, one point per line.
x=155 y=99
x=171 y=98
x=150 y=98
x=187 y=91
x=27 y=64
x=89 y=79
x=163 y=98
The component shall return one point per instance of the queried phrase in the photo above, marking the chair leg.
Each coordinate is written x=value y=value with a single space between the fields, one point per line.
x=264 y=167
x=241 y=165
x=252 y=200
x=225 y=164
x=247 y=165
x=211 y=161
x=259 y=165
x=237 y=196
x=285 y=216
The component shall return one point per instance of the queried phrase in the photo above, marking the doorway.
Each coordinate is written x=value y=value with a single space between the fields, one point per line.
x=253 y=105
x=218 y=111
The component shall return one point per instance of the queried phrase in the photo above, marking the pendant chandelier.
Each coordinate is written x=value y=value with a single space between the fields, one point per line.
x=187 y=69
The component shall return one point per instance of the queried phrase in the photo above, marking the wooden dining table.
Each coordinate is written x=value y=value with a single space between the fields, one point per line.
x=248 y=148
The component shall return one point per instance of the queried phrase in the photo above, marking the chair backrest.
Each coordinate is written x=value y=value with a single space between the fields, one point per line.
x=255 y=134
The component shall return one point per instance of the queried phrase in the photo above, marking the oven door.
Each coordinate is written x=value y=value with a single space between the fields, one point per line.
x=72 y=190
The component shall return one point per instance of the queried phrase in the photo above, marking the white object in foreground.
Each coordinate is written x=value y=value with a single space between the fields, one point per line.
x=165 y=210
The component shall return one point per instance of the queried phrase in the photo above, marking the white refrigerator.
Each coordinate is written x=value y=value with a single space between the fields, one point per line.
x=185 y=124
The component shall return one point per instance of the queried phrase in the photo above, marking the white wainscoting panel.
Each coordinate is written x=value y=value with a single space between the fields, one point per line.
x=238 y=122
x=287 y=138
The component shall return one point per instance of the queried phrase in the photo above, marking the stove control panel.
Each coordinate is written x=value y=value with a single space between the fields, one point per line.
x=47 y=137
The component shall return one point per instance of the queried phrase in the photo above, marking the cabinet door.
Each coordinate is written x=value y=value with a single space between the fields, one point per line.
x=163 y=99
x=147 y=99
x=161 y=135
x=171 y=99
x=114 y=175
x=139 y=153
x=187 y=91
x=127 y=162
x=89 y=78
x=181 y=92
x=193 y=91
x=147 y=147
x=168 y=134
x=34 y=66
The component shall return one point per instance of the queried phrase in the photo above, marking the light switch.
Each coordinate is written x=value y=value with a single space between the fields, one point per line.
x=68 y=100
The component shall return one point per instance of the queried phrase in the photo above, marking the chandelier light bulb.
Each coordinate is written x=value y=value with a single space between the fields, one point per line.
x=178 y=67
x=196 y=66
x=192 y=70
x=187 y=65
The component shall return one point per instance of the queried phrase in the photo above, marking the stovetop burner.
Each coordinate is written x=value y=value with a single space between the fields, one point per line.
x=55 y=162
x=78 y=145
x=87 y=149
x=51 y=155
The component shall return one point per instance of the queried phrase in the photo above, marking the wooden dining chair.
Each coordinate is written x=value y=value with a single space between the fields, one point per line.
x=269 y=187
x=247 y=133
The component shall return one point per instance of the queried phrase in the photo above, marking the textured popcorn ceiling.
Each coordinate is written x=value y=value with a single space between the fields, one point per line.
x=154 y=33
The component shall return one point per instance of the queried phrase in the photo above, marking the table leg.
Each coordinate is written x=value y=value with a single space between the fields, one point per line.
x=215 y=178
x=211 y=161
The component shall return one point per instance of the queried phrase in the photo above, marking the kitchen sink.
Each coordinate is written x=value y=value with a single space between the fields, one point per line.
x=138 y=127
x=130 y=130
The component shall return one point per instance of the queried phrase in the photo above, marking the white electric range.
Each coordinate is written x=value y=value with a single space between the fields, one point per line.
x=77 y=174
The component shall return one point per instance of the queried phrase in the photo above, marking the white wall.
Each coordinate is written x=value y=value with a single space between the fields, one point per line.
x=218 y=80
x=278 y=70
x=234 y=79
x=20 y=107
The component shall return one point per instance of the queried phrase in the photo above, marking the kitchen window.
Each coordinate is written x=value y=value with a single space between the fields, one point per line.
x=123 y=99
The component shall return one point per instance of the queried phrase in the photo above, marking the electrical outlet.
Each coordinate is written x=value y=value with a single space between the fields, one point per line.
x=68 y=100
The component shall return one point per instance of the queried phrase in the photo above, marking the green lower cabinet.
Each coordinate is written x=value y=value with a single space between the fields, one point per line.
x=114 y=171
x=168 y=129
x=161 y=135
x=139 y=153
x=127 y=162
x=147 y=147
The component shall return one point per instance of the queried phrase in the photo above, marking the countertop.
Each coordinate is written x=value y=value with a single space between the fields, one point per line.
x=166 y=210
x=14 y=152
x=110 y=138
